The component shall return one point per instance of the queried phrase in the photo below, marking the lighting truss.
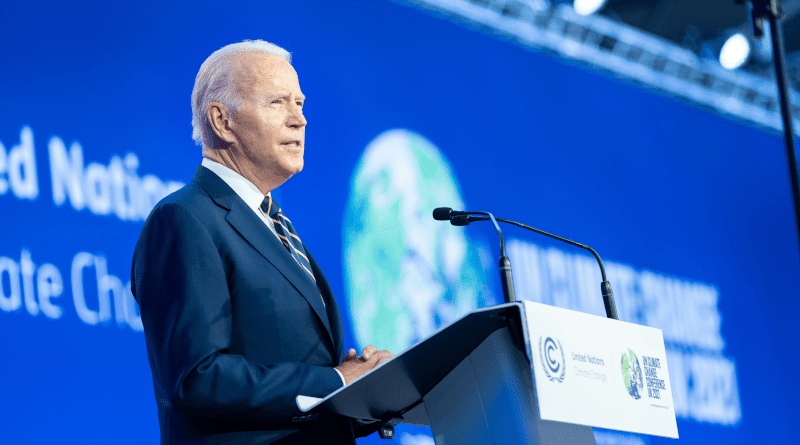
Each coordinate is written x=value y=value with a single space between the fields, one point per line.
x=624 y=51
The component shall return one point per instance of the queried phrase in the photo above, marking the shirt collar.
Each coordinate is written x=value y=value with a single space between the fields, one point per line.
x=246 y=190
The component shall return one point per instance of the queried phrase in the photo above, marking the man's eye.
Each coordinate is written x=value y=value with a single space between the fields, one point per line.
x=276 y=101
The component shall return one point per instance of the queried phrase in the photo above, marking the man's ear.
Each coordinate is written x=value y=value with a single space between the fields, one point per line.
x=220 y=120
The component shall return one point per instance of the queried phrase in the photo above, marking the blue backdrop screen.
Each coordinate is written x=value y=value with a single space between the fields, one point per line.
x=407 y=111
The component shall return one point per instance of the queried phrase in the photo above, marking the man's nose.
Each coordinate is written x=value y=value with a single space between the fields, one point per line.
x=296 y=118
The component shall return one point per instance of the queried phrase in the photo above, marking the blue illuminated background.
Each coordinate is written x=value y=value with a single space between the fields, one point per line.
x=691 y=210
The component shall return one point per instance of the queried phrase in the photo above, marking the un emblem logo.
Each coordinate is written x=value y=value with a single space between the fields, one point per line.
x=553 y=361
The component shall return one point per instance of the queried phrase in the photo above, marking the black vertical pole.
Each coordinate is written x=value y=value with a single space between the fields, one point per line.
x=771 y=10
x=786 y=110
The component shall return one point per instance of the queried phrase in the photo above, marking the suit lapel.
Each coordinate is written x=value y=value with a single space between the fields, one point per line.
x=252 y=229
x=334 y=315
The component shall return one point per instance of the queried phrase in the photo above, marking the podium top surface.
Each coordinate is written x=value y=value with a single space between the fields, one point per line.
x=398 y=385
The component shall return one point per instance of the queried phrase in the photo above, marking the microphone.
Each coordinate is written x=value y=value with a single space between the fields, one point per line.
x=458 y=218
x=465 y=218
x=445 y=213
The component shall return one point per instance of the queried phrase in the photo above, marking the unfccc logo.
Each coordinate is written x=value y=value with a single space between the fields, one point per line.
x=553 y=361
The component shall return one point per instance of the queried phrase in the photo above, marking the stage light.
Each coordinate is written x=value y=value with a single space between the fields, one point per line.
x=734 y=52
x=586 y=7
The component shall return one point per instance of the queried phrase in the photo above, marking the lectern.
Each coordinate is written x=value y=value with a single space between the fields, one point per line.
x=518 y=373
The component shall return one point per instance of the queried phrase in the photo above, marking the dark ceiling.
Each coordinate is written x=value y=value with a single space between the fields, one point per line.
x=692 y=22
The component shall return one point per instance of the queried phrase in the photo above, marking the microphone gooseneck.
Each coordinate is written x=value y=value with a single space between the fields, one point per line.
x=542 y=232
x=457 y=218
x=465 y=218
x=605 y=285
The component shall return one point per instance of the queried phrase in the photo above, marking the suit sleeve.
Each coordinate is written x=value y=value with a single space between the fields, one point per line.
x=180 y=284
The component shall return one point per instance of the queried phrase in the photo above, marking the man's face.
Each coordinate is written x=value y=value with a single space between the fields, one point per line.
x=269 y=126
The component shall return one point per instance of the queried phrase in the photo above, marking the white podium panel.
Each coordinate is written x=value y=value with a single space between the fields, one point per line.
x=590 y=370
x=518 y=373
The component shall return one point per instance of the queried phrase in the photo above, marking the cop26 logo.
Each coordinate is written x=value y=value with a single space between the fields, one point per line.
x=553 y=361
x=631 y=374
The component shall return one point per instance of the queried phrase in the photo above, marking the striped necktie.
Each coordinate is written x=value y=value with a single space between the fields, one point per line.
x=287 y=234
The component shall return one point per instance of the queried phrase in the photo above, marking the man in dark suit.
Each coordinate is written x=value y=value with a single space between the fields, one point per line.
x=238 y=318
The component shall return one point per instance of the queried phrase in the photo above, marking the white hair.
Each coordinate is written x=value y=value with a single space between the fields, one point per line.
x=215 y=83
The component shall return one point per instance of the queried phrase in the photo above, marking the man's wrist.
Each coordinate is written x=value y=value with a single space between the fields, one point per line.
x=344 y=383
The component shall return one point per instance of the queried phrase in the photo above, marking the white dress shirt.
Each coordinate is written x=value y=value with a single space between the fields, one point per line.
x=246 y=190
x=251 y=196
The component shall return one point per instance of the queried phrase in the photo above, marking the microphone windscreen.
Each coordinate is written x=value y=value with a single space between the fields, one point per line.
x=442 y=213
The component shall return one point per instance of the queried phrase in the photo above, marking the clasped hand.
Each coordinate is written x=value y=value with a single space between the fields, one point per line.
x=354 y=366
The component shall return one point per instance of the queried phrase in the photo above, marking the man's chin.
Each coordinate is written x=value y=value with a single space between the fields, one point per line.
x=291 y=170
x=297 y=167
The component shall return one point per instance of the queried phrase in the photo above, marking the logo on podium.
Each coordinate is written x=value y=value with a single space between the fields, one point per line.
x=632 y=374
x=553 y=360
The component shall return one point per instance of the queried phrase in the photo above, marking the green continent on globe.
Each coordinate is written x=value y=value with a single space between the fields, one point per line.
x=406 y=274
x=631 y=374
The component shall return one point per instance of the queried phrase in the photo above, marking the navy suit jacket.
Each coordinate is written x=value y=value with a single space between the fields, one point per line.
x=235 y=329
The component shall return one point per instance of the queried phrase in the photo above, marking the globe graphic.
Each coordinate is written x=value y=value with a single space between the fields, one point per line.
x=406 y=274
x=632 y=374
